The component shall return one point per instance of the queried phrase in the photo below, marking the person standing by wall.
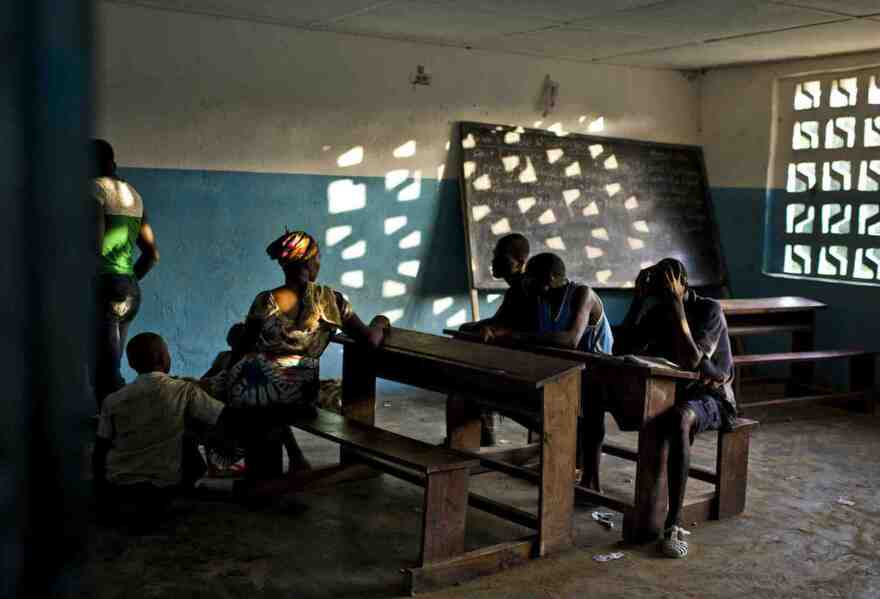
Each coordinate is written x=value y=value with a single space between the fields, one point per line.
x=121 y=225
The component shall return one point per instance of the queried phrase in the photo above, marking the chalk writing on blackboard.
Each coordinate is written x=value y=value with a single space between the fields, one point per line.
x=607 y=206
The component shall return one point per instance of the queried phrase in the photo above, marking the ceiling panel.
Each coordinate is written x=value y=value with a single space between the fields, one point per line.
x=278 y=11
x=450 y=22
x=557 y=10
x=707 y=19
x=573 y=43
x=836 y=38
x=846 y=7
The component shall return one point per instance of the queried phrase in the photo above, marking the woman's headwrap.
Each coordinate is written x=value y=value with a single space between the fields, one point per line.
x=292 y=247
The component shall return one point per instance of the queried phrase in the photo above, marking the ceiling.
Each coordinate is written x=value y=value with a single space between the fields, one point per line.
x=684 y=34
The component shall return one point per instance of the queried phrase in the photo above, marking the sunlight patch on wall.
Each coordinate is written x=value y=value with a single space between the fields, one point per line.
x=344 y=195
x=412 y=191
x=351 y=157
x=406 y=150
x=457 y=319
x=393 y=224
x=357 y=250
x=441 y=305
x=394 y=315
x=412 y=240
x=392 y=288
x=353 y=278
x=396 y=177
x=336 y=234
x=410 y=268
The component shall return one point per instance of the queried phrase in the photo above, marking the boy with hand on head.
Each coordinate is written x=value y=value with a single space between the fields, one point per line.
x=669 y=320
x=146 y=452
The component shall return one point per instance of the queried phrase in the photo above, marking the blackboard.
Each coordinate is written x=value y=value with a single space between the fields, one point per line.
x=607 y=206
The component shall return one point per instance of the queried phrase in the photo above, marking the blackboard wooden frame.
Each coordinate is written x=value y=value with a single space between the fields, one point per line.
x=718 y=276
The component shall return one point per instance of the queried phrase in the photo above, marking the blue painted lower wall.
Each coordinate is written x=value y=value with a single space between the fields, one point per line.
x=212 y=228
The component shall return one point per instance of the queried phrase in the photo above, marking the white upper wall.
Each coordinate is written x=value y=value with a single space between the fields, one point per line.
x=737 y=113
x=188 y=91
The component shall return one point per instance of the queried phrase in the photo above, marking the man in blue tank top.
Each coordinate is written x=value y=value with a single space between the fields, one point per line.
x=554 y=311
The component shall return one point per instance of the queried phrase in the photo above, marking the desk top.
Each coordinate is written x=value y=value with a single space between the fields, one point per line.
x=766 y=305
x=463 y=358
x=619 y=362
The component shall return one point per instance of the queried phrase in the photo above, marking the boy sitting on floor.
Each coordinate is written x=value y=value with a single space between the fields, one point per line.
x=509 y=263
x=668 y=320
x=145 y=451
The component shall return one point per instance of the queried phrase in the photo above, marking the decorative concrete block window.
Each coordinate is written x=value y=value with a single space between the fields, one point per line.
x=822 y=217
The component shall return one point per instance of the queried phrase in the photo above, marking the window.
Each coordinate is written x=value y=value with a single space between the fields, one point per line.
x=823 y=201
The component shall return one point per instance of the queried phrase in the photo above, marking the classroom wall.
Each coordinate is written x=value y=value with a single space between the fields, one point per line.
x=231 y=130
x=736 y=125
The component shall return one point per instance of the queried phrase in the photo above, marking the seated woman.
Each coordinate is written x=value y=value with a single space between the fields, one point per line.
x=274 y=374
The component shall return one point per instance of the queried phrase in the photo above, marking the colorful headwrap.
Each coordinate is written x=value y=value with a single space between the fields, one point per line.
x=293 y=246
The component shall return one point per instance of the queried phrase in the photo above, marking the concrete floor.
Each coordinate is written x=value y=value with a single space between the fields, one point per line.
x=795 y=539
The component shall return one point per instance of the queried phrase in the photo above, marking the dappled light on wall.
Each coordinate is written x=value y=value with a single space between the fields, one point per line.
x=406 y=150
x=353 y=279
x=412 y=240
x=393 y=224
x=358 y=250
x=344 y=195
x=410 y=268
x=352 y=157
x=393 y=288
x=336 y=234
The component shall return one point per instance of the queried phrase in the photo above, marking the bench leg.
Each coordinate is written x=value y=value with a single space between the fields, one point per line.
x=862 y=371
x=443 y=516
x=463 y=424
x=732 y=468
x=358 y=390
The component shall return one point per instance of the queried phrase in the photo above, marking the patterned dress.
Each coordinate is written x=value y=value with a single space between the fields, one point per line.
x=283 y=369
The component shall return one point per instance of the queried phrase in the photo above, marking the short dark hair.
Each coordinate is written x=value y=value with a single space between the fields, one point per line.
x=516 y=245
x=676 y=267
x=102 y=151
x=146 y=352
x=547 y=263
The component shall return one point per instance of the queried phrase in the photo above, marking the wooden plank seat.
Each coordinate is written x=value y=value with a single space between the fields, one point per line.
x=861 y=393
x=730 y=476
x=443 y=473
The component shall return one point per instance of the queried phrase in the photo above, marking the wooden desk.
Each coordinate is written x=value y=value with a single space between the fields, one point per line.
x=636 y=395
x=546 y=386
x=773 y=316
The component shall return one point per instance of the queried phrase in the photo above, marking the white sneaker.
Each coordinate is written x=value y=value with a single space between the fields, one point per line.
x=673 y=544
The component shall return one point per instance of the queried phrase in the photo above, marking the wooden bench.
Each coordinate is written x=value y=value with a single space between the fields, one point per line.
x=862 y=368
x=730 y=476
x=443 y=473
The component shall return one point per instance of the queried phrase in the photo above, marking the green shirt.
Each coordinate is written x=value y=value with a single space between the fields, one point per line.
x=123 y=214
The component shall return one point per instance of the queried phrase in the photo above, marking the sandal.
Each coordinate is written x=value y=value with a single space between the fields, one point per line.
x=672 y=544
